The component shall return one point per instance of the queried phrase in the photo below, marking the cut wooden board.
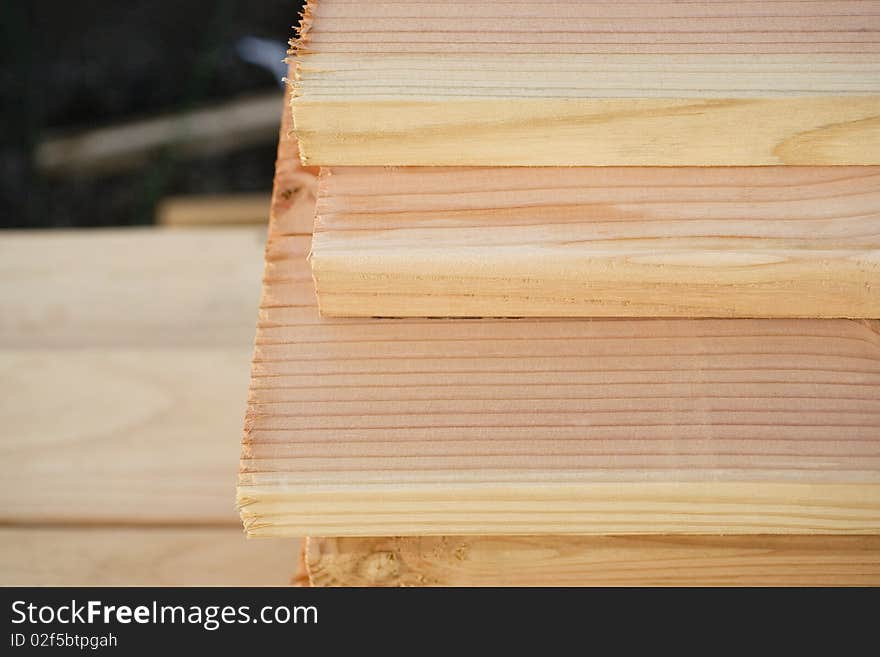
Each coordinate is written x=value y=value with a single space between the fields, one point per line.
x=123 y=363
x=596 y=241
x=595 y=561
x=131 y=288
x=206 y=131
x=588 y=83
x=131 y=436
x=213 y=210
x=432 y=427
x=103 y=556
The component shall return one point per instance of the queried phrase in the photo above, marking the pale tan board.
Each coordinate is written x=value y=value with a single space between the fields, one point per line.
x=213 y=210
x=131 y=436
x=588 y=83
x=595 y=561
x=390 y=427
x=164 y=556
x=123 y=363
x=598 y=241
x=129 y=287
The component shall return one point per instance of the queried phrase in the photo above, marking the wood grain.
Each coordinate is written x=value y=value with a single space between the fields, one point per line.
x=588 y=83
x=96 y=556
x=126 y=435
x=494 y=560
x=432 y=427
x=123 y=366
x=595 y=561
x=597 y=241
x=129 y=287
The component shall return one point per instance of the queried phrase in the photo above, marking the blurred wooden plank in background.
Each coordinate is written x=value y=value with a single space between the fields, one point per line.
x=214 y=210
x=138 y=287
x=235 y=124
x=122 y=556
x=124 y=359
x=130 y=435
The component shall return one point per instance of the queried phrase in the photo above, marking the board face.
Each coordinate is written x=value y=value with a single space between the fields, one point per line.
x=598 y=242
x=588 y=83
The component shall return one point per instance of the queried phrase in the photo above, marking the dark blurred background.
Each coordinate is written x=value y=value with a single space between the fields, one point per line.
x=71 y=70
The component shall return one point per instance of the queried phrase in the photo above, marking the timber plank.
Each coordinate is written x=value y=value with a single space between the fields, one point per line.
x=588 y=83
x=129 y=287
x=600 y=242
x=595 y=561
x=125 y=556
x=125 y=435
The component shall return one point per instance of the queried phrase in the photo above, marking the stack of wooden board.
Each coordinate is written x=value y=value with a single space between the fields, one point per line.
x=563 y=368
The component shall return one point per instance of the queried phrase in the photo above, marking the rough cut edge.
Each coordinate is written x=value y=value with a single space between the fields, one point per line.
x=299 y=45
x=300 y=42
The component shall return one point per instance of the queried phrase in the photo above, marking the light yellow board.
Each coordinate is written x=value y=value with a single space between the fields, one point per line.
x=127 y=556
x=595 y=561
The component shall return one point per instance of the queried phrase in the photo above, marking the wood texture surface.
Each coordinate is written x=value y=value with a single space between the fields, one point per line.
x=588 y=83
x=123 y=372
x=123 y=365
x=129 y=288
x=595 y=561
x=597 y=241
x=124 y=556
x=392 y=427
x=128 y=435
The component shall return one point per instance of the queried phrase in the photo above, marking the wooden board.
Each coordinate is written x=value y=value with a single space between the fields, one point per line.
x=123 y=372
x=213 y=210
x=591 y=241
x=595 y=561
x=131 y=288
x=219 y=128
x=104 y=556
x=125 y=435
x=123 y=365
x=588 y=83
x=391 y=427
